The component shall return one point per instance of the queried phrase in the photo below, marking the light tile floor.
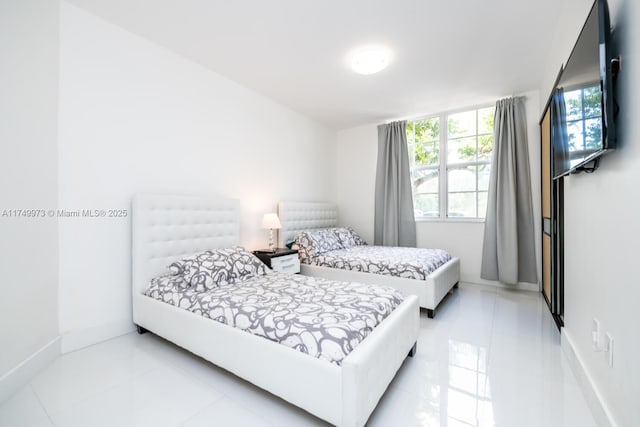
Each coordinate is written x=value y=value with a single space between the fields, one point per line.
x=489 y=358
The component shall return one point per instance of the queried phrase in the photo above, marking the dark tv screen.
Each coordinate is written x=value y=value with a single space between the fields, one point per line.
x=582 y=104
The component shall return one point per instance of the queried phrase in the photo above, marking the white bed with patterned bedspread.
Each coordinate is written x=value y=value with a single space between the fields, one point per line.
x=323 y=318
x=338 y=253
x=409 y=263
x=312 y=342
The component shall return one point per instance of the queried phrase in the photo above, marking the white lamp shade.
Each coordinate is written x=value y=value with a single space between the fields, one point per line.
x=271 y=220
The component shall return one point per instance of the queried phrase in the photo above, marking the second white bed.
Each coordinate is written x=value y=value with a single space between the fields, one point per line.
x=303 y=216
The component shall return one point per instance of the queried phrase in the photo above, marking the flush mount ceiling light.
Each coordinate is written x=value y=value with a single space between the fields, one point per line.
x=370 y=60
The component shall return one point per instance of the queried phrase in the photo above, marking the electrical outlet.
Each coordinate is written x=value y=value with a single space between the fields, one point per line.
x=608 y=348
x=595 y=334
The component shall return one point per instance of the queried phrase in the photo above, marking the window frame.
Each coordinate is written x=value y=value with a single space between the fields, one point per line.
x=443 y=178
x=582 y=120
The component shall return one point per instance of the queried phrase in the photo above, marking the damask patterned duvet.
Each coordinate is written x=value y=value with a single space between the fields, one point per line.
x=323 y=318
x=412 y=263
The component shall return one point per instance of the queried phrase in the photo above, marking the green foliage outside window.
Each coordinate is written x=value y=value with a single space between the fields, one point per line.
x=583 y=118
x=469 y=141
x=425 y=135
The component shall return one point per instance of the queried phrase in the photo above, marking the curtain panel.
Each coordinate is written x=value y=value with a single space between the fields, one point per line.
x=394 y=221
x=508 y=253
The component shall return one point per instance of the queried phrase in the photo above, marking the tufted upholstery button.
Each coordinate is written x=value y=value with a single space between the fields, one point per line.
x=166 y=228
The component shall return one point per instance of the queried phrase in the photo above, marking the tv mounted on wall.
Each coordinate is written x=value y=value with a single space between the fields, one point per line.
x=582 y=105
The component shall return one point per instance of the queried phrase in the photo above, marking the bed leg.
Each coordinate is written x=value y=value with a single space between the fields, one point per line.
x=456 y=285
x=141 y=330
x=430 y=313
x=413 y=350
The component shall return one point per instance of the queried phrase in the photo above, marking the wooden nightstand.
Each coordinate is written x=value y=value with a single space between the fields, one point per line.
x=283 y=260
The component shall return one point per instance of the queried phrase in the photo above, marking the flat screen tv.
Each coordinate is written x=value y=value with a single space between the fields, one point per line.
x=582 y=104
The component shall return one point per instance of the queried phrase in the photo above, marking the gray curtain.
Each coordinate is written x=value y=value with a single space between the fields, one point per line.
x=508 y=253
x=394 y=222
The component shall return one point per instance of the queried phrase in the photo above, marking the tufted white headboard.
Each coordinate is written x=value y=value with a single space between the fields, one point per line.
x=299 y=216
x=166 y=228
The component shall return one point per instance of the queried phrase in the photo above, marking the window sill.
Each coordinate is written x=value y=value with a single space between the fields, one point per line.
x=452 y=220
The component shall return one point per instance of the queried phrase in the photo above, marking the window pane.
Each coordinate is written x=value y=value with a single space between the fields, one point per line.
x=592 y=101
x=461 y=150
x=463 y=182
x=573 y=102
x=482 y=204
x=410 y=133
x=427 y=129
x=484 y=174
x=485 y=120
x=411 y=148
x=593 y=133
x=462 y=178
x=462 y=205
x=425 y=180
x=574 y=129
x=425 y=184
x=427 y=153
x=462 y=124
x=424 y=151
x=426 y=205
x=485 y=147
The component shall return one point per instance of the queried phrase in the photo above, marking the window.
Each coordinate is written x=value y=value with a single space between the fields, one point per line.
x=423 y=137
x=584 y=120
x=450 y=160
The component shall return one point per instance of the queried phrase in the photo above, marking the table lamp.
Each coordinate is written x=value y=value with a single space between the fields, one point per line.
x=271 y=221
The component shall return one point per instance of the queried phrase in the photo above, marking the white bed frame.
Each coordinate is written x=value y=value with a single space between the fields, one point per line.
x=166 y=228
x=300 y=216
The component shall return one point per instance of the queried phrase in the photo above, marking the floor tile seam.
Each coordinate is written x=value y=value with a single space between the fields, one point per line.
x=202 y=409
x=196 y=378
x=133 y=378
x=95 y=393
x=218 y=400
x=46 y=412
x=262 y=417
x=199 y=411
x=93 y=345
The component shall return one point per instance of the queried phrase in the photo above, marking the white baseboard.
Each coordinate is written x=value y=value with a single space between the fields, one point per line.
x=592 y=395
x=530 y=287
x=16 y=378
x=81 y=338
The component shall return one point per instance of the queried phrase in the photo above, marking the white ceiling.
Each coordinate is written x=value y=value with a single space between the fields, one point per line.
x=446 y=53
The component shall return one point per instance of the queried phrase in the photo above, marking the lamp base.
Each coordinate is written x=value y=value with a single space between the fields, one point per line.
x=271 y=245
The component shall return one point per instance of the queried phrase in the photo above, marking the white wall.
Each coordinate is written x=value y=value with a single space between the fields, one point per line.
x=28 y=179
x=574 y=14
x=602 y=226
x=136 y=117
x=356 y=153
x=356 y=157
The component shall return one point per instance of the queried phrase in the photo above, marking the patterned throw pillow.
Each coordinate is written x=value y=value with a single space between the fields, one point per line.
x=325 y=240
x=213 y=268
x=186 y=267
x=315 y=242
x=246 y=265
x=169 y=281
x=344 y=237
x=304 y=246
x=359 y=241
x=347 y=237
